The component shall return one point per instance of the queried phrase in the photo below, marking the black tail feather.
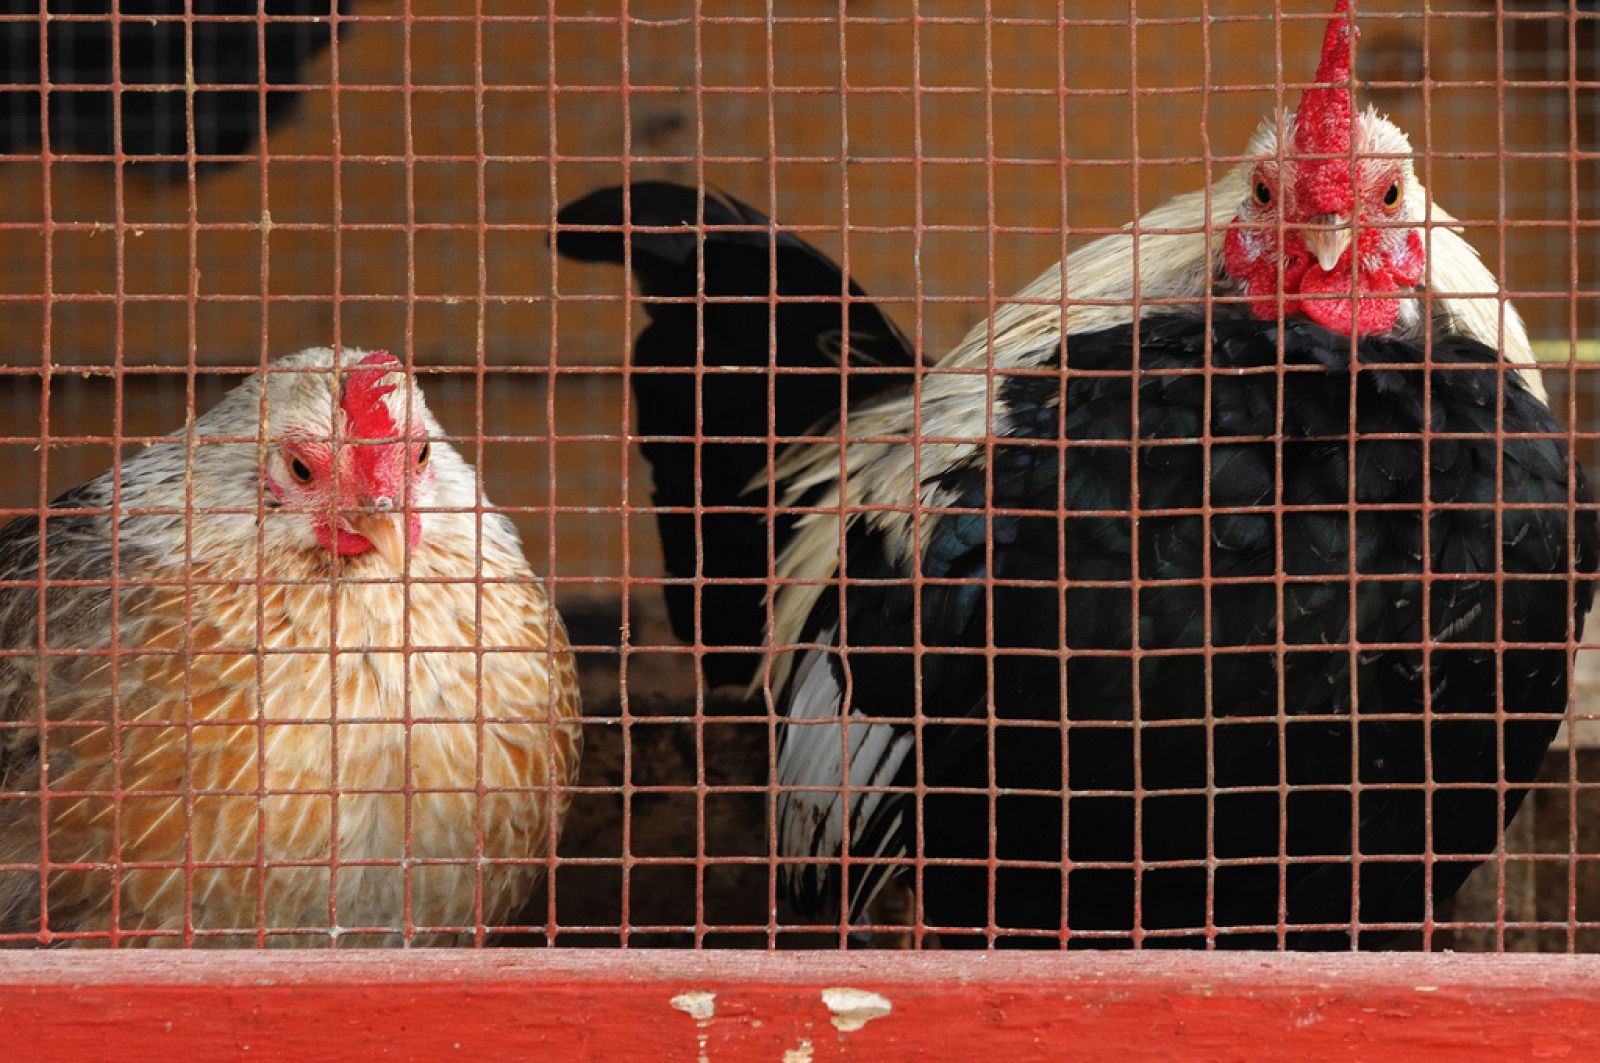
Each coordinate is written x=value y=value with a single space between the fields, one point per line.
x=751 y=265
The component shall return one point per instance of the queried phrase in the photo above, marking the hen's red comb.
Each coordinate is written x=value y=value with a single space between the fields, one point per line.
x=366 y=416
x=1322 y=125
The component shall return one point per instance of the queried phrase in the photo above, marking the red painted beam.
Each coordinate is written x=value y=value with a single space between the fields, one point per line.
x=731 y=1006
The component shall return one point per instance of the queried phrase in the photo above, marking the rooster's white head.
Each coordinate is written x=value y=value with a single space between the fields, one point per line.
x=1349 y=202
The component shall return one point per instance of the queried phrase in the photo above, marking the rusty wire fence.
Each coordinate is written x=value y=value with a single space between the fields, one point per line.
x=184 y=195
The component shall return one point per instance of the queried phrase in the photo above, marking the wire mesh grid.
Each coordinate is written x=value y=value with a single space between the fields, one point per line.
x=382 y=175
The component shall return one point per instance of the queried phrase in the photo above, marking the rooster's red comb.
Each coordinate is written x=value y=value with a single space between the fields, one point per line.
x=366 y=415
x=1322 y=124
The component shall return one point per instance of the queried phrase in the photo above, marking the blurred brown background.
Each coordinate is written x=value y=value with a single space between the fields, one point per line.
x=406 y=205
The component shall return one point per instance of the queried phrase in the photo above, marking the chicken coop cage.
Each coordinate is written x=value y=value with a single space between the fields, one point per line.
x=711 y=567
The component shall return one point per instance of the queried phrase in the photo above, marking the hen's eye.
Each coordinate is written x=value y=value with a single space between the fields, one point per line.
x=299 y=470
x=1263 y=193
x=424 y=454
x=1392 y=196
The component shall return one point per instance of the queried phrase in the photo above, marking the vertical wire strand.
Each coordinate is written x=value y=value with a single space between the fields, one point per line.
x=553 y=360
x=118 y=373
x=408 y=784
x=335 y=634
x=1208 y=517
x=259 y=586
x=1576 y=626
x=1428 y=869
x=46 y=379
x=629 y=788
x=919 y=282
x=771 y=496
x=191 y=443
x=480 y=929
x=1135 y=582
x=991 y=389
x=699 y=727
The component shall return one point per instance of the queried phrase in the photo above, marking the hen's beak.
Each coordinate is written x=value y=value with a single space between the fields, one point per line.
x=386 y=532
x=1329 y=244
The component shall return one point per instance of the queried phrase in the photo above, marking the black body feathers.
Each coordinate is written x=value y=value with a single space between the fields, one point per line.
x=1129 y=618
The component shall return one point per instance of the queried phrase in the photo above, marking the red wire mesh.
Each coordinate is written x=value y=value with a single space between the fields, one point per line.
x=942 y=152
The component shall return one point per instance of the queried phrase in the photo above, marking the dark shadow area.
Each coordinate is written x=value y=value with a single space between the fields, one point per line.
x=232 y=50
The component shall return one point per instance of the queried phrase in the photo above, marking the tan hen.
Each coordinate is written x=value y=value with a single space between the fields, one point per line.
x=308 y=692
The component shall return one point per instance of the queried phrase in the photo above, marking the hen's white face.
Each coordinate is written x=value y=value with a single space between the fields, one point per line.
x=348 y=457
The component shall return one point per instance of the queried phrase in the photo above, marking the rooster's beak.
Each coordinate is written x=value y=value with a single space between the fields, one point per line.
x=387 y=533
x=1329 y=244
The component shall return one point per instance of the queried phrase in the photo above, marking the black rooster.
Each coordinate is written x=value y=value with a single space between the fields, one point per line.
x=1161 y=626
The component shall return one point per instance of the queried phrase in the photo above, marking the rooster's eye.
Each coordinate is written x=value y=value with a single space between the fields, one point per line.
x=299 y=470
x=424 y=454
x=1263 y=193
x=1392 y=196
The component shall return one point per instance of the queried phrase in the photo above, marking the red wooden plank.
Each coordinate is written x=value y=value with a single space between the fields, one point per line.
x=730 y=1006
